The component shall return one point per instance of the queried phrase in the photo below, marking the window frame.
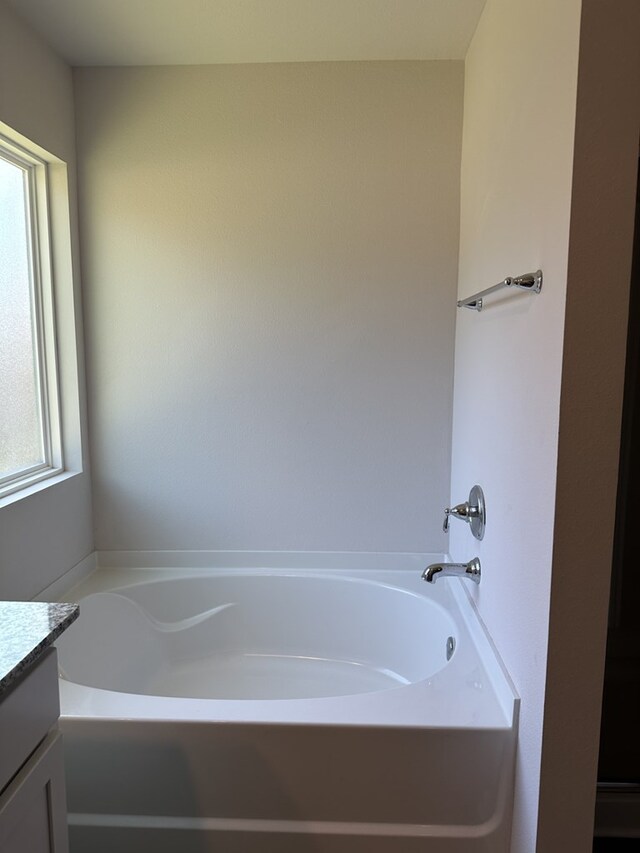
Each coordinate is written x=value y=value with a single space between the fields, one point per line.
x=43 y=320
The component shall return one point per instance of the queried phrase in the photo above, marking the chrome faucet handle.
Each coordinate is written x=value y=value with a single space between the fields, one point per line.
x=472 y=511
x=459 y=511
x=463 y=511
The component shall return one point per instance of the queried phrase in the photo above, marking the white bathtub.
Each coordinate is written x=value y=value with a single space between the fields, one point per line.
x=250 y=708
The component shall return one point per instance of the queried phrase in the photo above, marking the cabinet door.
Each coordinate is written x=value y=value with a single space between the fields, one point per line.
x=33 y=811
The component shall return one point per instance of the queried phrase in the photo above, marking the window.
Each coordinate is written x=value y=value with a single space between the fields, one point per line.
x=30 y=436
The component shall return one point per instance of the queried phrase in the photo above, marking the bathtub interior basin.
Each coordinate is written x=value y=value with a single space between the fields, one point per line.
x=256 y=636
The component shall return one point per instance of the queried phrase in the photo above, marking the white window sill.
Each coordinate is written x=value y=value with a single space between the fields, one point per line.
x=33 y=489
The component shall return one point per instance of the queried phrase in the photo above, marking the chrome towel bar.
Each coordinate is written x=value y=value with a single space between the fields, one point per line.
x=531 y=281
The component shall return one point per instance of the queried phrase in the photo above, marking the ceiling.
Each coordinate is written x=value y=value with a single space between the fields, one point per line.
x=187 y=32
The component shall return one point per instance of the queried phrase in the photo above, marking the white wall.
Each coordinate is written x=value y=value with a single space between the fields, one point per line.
x=517 y=154
x=269 y=261
x=45 y=534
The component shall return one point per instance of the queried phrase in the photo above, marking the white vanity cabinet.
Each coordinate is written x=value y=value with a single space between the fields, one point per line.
x=33 y=814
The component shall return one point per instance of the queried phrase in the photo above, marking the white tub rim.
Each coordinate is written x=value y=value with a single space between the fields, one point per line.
x=397 y=708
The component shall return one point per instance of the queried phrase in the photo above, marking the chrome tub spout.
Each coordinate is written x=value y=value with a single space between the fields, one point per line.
x=470 y=570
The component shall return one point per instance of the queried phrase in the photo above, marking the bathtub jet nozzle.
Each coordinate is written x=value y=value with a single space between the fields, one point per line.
x=470 y=570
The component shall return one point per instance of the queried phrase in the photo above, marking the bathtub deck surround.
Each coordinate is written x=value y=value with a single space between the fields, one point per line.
x=278 y=708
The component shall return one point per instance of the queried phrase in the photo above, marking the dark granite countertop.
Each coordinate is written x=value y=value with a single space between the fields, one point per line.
x=27 y=629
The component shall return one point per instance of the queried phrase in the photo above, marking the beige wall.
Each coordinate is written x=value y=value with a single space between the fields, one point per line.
x=45 y=534
x=269 y=260
x=594 y=349
x=519 y=113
